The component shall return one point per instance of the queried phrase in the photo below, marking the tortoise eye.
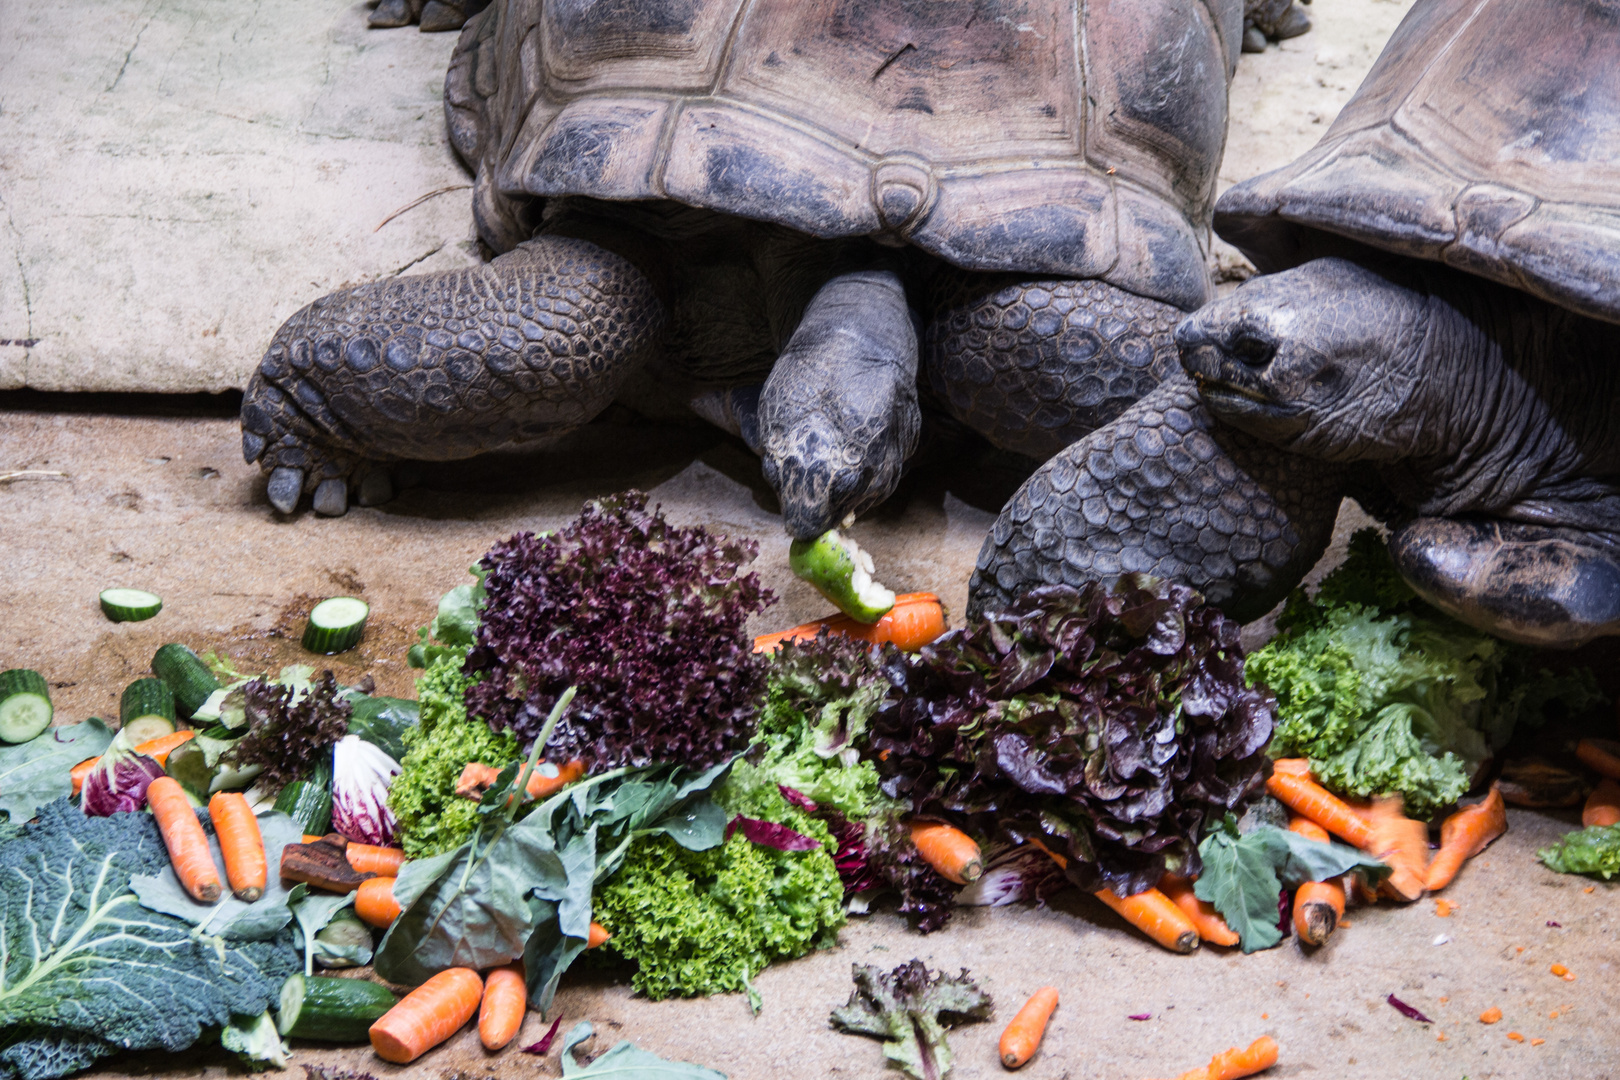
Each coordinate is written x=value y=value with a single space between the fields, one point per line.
x=1253 y=350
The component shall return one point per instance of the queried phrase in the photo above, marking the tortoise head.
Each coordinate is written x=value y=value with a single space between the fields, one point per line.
x=1322 y=360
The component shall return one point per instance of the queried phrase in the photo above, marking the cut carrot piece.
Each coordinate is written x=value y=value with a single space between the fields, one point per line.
x=1602 y=756
x=1310 y=799
x=1404 y=845
x=240 y=842
x=371 y=859
x=951 y=852
x=427 y=1016
x=1022 y=1035
x=599 y=936
x=1465 y=834
x=477 y=778
x=184 y=837
x=1515 y=1036
x=915 y=620
x=375 y=904
x=1297 y=766
x=1234 y=1064
x=1603 y=805
x=1205 y=919
x=1309 y=829
x=506 y=999
x=1152 y=913
x=1318 y=906
x=1490 y=1015
x=1444 y=908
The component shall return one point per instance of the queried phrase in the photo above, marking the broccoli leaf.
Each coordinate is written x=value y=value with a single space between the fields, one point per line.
x=909 y=1009
x=35 y=772
x=255 y=1040
x=228 y=917
x=313 y=911
x=626 y=1062
x=1586 y=851
x=88 y=971
x=383 y=722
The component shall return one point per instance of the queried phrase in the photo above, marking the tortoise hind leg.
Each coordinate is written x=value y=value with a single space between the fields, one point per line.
x=444 y=366
x=1554 y=588
x=1034 y=365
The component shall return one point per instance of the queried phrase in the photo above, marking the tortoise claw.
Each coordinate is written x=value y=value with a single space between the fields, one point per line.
x=252 y=447
x=332 y=497
x=376 y=489
x=285 y=486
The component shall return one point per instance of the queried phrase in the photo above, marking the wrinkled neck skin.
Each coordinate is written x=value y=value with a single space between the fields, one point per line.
x=1513 y=412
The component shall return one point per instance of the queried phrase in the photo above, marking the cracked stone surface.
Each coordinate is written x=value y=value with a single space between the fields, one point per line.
x=180 y=176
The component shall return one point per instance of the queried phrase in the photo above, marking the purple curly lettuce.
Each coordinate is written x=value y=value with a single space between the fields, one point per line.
x=644 y=617
x=288 y=739
x=1108 y=722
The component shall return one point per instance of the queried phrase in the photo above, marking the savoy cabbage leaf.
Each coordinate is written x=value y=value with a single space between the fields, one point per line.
x=86 y=971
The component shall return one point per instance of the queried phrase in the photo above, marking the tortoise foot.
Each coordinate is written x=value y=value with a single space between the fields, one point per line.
x=1162 y=491
x=432 y=16
x=1553 y=588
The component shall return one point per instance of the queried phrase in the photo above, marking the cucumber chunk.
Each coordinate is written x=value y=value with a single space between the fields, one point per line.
x=335 y=625
x=130 y=605
x=308 y=803
x=842 y=572
x=25 y=705
x=332 y=1010
x=186 y=675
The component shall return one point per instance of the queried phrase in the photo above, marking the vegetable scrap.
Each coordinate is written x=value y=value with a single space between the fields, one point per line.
x=1233 y=1063
x=1022 y=1035
x=626 y=1062
x=543 y=1045
x=1490 y=1015
x=910 y=1009
x=1407 y=1011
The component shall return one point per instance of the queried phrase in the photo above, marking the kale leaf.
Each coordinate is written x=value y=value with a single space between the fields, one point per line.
x=1109 y=722
x=36 y=772
x=88 y=971
x=909 y=1009
x=644 y=617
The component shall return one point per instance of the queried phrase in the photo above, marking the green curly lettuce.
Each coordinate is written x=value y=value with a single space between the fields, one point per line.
x=1383 y=693
x=706 y=922
x=1586 y=851
x=432 y=818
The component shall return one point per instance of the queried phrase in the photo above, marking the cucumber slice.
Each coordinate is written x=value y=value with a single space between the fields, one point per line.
x=331 y=1010
x=335 y=625
x=25 y=705
x=186 y=675
x=309 y=804
x=130 y=605
x=842 y=572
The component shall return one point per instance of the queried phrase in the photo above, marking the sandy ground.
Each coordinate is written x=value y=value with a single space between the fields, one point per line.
x=163 y=502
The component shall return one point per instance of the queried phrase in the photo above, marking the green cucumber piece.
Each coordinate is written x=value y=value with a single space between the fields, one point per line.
x=186 y=675
x=146 y=711
x=309 y=804
x=335 y=625
x=25 y=705
x=842 y=572
x=331 y=1010
x=130 y=605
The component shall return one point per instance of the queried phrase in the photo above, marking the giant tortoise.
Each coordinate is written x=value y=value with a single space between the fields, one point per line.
x=1437 y=332
x=773 y=210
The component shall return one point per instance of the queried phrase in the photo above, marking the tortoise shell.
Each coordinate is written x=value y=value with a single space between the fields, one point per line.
x=1064 y=137
x=1486 y=137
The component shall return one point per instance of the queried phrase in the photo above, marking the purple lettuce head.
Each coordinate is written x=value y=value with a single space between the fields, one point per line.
x=118 y=782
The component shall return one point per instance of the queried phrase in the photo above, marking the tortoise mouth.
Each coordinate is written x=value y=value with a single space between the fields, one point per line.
x=1234 y=394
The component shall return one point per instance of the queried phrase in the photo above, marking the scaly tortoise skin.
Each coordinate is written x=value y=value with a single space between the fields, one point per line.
x=1437 y=324
x=786 y=215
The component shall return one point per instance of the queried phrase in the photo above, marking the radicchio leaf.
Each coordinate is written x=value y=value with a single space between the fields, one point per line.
x=119 y=781
x=772 y=835
x=1407 y=1011
x=361 y=775
x=546 y=1040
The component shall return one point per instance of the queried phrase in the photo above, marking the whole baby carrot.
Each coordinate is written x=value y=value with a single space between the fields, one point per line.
x=949 y=850
x=375 y=904
x=1152 y=913
x=1318 y=906
x=240 y=842
x=1309 y=799
x=915 y=620
x=1022 y=1035
x=1205 y=919
x=506 y=998
x=427 y=1016
x=183 y=836
x=599 y=936
x=1603 y=805
x=372 y=859
x=1309 y=829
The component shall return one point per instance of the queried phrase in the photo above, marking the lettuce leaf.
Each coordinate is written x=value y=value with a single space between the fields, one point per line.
x=626 y=1062
x=1586 y=851
x=88 y=971
x=909 y=1008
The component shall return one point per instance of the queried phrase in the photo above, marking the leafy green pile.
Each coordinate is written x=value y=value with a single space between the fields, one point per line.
x=1586 y=851
x=1384 y=694
x=102 y=973
x=1109 y=722
x=705 y=922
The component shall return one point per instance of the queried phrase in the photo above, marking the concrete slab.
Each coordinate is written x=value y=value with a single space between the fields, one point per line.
x=181 y=175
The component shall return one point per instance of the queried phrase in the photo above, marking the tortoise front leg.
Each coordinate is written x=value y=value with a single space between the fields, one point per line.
x=1162 y=491
x=443 y=366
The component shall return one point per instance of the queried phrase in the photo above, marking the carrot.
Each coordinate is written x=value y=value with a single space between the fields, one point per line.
x=1297 y=766
x=157 y=749
x=1022 y=1036
x=600 y=935
x=1602 y=756
x=1318 y=906
x=428 y=1015
x=1308 y=829
x=1152 y=913
x=1490 y=1015
x=477 y=778
x=371 y=859
x=375 y=904
x=1403 y=844
x=1234 y=1064
x=183 y=836
x=1205 y=919
x=506 y=998
x=240 y=842
x=949 y=850
x=915 y=620
x=1603 y=805
x=1465 y=834
x=312 y=838
x=1309 y=799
